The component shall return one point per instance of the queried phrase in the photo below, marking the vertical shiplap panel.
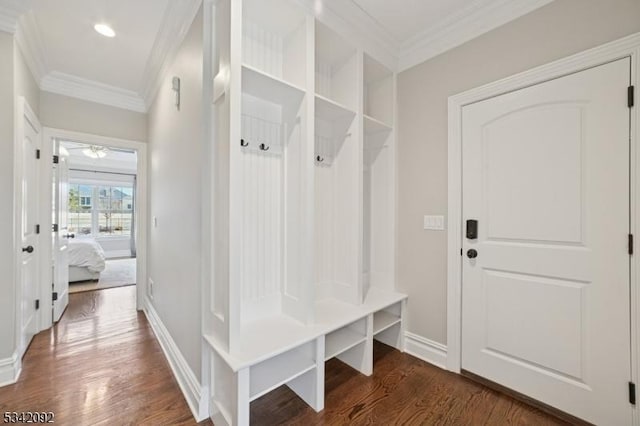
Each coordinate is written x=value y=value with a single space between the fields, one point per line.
x=262 y=49
x=261 y=210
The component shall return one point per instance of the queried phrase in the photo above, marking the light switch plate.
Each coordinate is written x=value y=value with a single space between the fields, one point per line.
x=434 y=223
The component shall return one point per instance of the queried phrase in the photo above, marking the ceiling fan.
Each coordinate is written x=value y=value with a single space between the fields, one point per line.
x=95 y=152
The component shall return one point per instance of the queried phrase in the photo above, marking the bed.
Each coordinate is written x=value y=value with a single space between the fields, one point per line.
x=86 y=260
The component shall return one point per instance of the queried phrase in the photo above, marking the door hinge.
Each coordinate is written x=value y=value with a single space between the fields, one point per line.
x=54 y=227
x=54 y=296
x=56 y=159
x=632 y=393
x=630 y=243
x=37 y=304
x=37 y=229
x=460 y=252
x=630 y=100
x=37 y=154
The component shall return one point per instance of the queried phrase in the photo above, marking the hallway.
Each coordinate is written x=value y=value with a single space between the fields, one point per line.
x=100 y=365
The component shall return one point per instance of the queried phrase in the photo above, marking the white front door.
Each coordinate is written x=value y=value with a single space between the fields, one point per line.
x=28 y=152
x=546 y=299
x=61 y=234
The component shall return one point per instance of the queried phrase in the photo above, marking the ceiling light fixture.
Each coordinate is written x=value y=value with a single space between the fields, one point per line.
x=105 y=30
x=95 y=152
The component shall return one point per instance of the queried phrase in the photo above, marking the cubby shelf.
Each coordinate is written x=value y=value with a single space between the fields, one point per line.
x=329 y=110
x=342 y=340
x=382 y=320
x=373 y=125
x=277 y=371
x=273 y=89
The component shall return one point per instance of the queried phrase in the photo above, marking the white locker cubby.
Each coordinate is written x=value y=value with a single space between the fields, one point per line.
x=303 y=187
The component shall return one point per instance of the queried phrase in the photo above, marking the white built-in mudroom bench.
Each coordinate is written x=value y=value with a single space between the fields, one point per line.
x=303 y=203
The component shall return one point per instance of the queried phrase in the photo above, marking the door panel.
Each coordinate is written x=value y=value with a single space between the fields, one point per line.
x=29 y=236
x=546 y=300
x=522 y=203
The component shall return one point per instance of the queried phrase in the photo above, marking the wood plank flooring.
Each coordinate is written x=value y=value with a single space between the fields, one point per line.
x=402 y=391
x=102 y=365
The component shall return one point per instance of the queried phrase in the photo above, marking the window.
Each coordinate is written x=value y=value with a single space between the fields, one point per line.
x=110 y=215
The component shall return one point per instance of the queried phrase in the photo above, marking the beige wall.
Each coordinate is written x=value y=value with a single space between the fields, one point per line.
x=25 y=84
x=557 y=30
x=175 y=145
x=7 y=255
x=62 y=112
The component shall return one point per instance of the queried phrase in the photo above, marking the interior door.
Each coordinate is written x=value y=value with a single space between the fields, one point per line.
x=546 y=275
x=30 y=145
x=62 y=235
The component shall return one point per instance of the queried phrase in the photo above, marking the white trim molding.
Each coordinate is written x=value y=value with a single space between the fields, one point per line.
x=175 y=25
x=462 y=26
x=30 y=43
x=626 y=47
x=177 y=19
x=93 y=91
x=344 y=16
x=425 y=349
x=10 y=369
x=195 y=395
x=10 y=12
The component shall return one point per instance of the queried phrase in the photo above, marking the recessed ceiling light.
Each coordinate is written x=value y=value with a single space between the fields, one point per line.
x=105 y=30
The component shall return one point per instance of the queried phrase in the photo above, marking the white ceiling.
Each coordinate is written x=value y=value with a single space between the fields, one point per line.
x=72 y=46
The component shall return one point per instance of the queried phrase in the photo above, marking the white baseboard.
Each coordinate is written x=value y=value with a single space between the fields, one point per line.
x=196 y=396
x=10 y=369
x=427 y=350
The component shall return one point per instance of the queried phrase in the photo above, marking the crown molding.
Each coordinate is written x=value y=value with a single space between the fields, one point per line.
x=352 y=22
x=10 y=12
x=93 y=91
x=460 y=27
x=174 y=27
x=30 y=43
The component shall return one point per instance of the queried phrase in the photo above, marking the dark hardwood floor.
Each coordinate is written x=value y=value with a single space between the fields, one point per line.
x=102 y=365
x=402 y=391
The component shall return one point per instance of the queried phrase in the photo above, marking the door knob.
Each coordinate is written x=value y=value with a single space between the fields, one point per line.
x=69 y=236
x=28 y=249
x=472 y=253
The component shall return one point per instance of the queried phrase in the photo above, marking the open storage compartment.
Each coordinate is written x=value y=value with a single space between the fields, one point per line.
x=281 y=369
x=378 y=177
x=345 y=338
x=274 y=39
x=336 y=177
x=378 y=93
x=387 y=325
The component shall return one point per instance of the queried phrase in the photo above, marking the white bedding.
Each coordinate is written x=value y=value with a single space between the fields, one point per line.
x=86 y=252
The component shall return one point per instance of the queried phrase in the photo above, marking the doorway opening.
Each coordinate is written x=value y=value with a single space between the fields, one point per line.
x=96 y=187
x=100 y=214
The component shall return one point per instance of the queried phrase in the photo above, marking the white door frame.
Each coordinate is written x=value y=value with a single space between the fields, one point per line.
x=626 y=47
x=46 y=264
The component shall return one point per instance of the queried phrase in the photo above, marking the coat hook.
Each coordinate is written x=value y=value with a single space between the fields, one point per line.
x=264 y=147
x=319 y=159
x=243 y=143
